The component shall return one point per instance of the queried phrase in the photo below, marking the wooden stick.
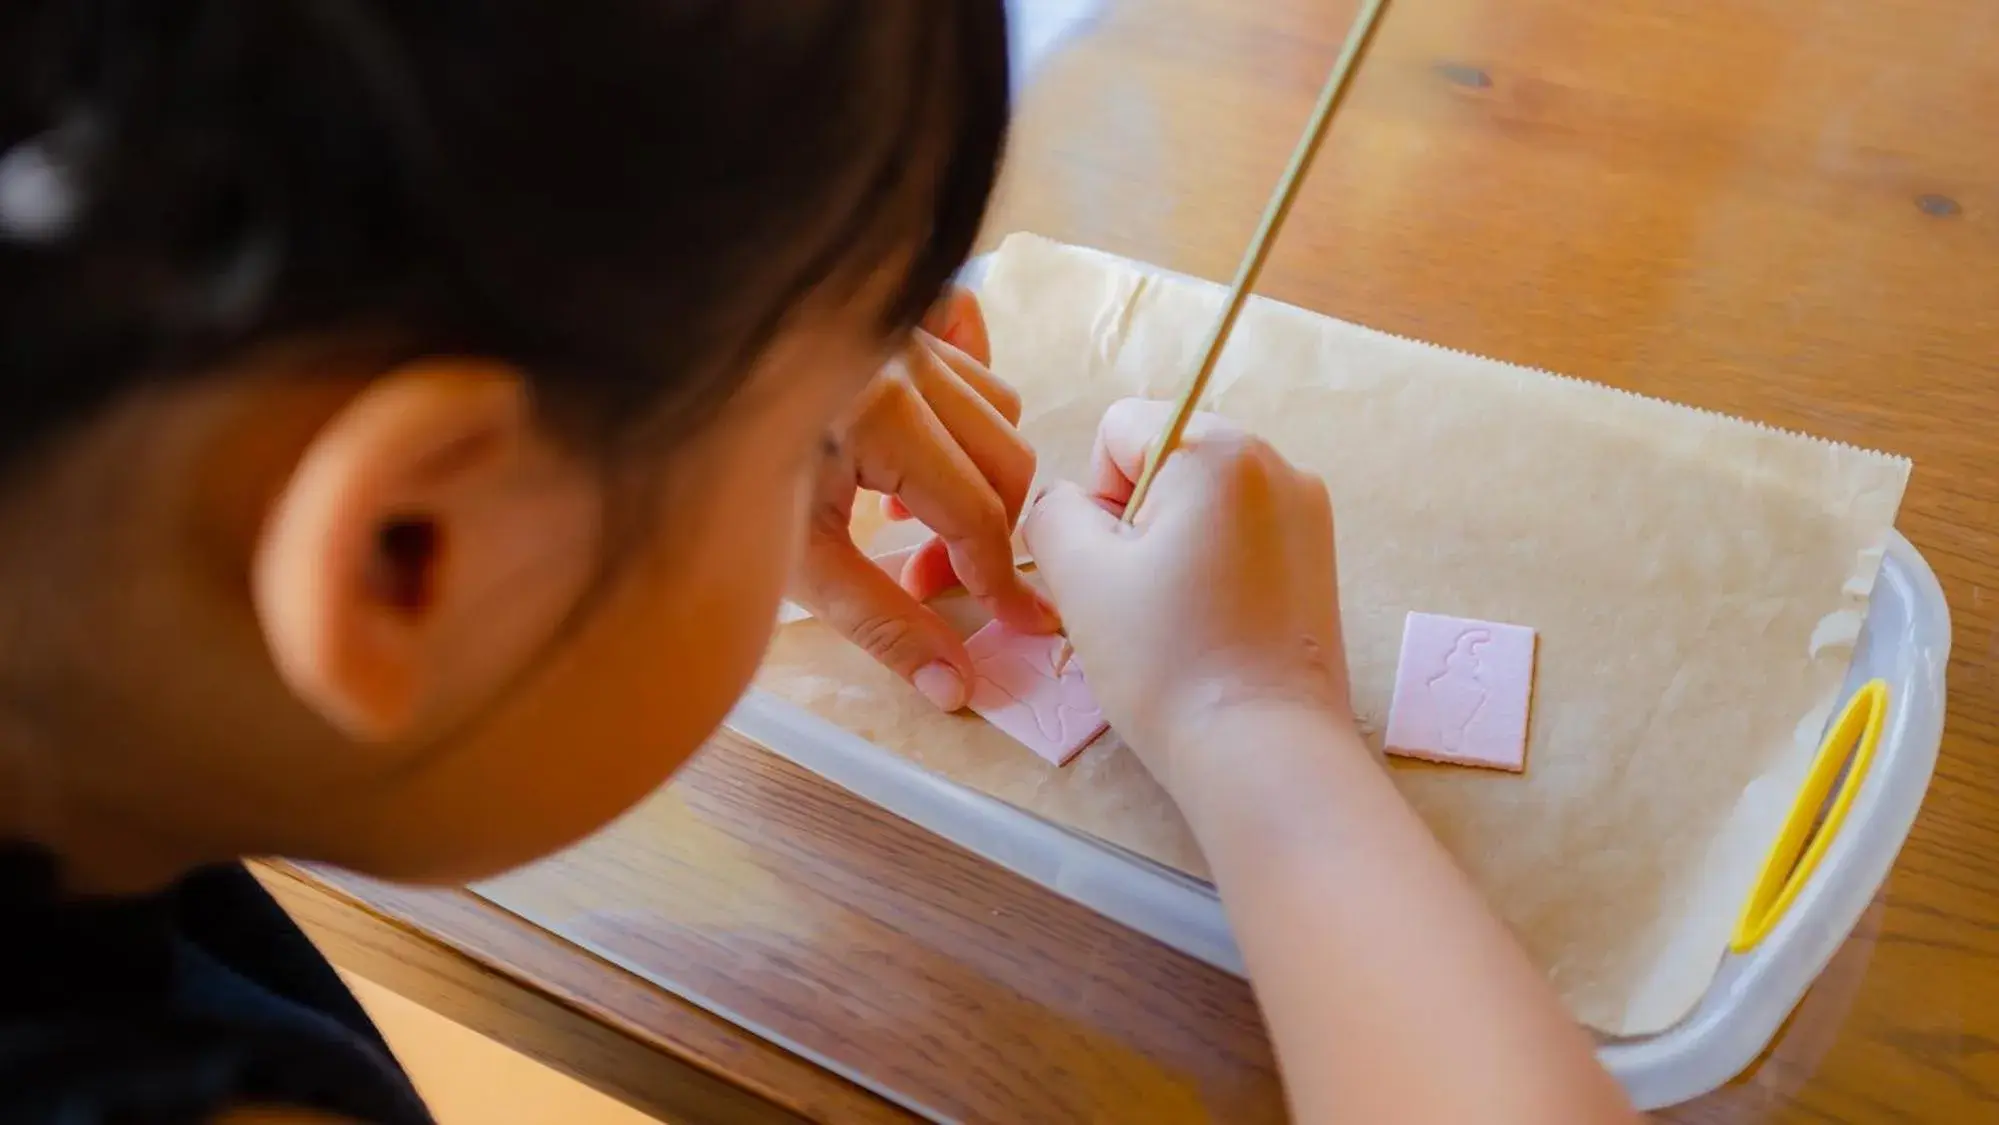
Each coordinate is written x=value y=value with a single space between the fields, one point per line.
x=1259 y=246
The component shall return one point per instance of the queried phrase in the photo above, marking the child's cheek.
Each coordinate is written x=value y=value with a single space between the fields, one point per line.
x=804 y=492
x=783 y=539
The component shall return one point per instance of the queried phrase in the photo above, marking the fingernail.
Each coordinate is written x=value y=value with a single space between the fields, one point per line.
x=941 y=685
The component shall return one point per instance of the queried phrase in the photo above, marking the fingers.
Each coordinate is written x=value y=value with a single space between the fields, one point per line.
x=970 y=370
x=1067 y=526
x=850 y=592
x=928 y=571
x=958 y=324
x=1130 y=429
x=986 y=435
x=952 y=374
x=903 y=447
x=977 y=375
x=958 y=320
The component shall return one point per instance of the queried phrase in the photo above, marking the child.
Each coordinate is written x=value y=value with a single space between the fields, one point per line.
x=414 y=414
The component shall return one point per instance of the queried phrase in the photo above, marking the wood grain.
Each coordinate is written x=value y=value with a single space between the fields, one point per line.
x=1783 y=209
x=516 y=983
x=970 y=994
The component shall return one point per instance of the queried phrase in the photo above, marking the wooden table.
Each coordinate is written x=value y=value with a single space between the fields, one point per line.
x=1784 y=209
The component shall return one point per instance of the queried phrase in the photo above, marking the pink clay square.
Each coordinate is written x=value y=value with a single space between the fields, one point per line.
x=1462 y=691
x=1016 y=687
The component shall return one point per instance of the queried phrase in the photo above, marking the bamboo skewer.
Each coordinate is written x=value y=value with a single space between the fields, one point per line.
x=1274 y=214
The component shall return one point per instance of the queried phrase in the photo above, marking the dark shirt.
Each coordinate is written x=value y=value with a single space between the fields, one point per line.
x=169 y=1008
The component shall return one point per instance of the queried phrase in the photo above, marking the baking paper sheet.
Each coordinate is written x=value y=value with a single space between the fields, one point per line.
x=1697 y=582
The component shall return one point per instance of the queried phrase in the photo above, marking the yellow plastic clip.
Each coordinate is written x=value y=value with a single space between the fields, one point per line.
x=1784 y=873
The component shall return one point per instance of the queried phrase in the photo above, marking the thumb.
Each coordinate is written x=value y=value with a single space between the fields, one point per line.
x=1066 y=529
x=849 y=591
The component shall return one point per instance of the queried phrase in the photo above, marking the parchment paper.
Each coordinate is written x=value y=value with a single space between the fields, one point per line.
x=1697 y=582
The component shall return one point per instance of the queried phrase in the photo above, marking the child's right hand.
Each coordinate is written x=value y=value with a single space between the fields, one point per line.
x=1222 y=597
x=1210 y=634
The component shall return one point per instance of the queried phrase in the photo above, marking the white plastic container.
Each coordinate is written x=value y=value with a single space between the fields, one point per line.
x=1906 y=642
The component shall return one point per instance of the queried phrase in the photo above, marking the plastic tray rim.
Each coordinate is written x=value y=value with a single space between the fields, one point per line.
x=1752 y=995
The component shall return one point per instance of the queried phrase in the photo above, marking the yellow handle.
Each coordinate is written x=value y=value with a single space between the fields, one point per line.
x=1784 y=873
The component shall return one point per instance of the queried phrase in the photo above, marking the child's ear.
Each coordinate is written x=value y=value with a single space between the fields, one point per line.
x=428 y=545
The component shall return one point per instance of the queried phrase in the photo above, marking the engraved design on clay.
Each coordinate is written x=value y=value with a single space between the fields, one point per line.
x=1459 y=691
x=1462 y=692
x=1019 y=686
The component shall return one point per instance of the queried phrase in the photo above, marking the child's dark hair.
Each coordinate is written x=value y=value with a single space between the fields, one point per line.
x=625 y=197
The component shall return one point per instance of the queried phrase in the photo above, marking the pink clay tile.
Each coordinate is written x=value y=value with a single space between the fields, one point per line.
x=1016 y=687
x=1462 y=691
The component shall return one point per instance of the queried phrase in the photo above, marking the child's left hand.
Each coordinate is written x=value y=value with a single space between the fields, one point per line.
x=935 y=433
